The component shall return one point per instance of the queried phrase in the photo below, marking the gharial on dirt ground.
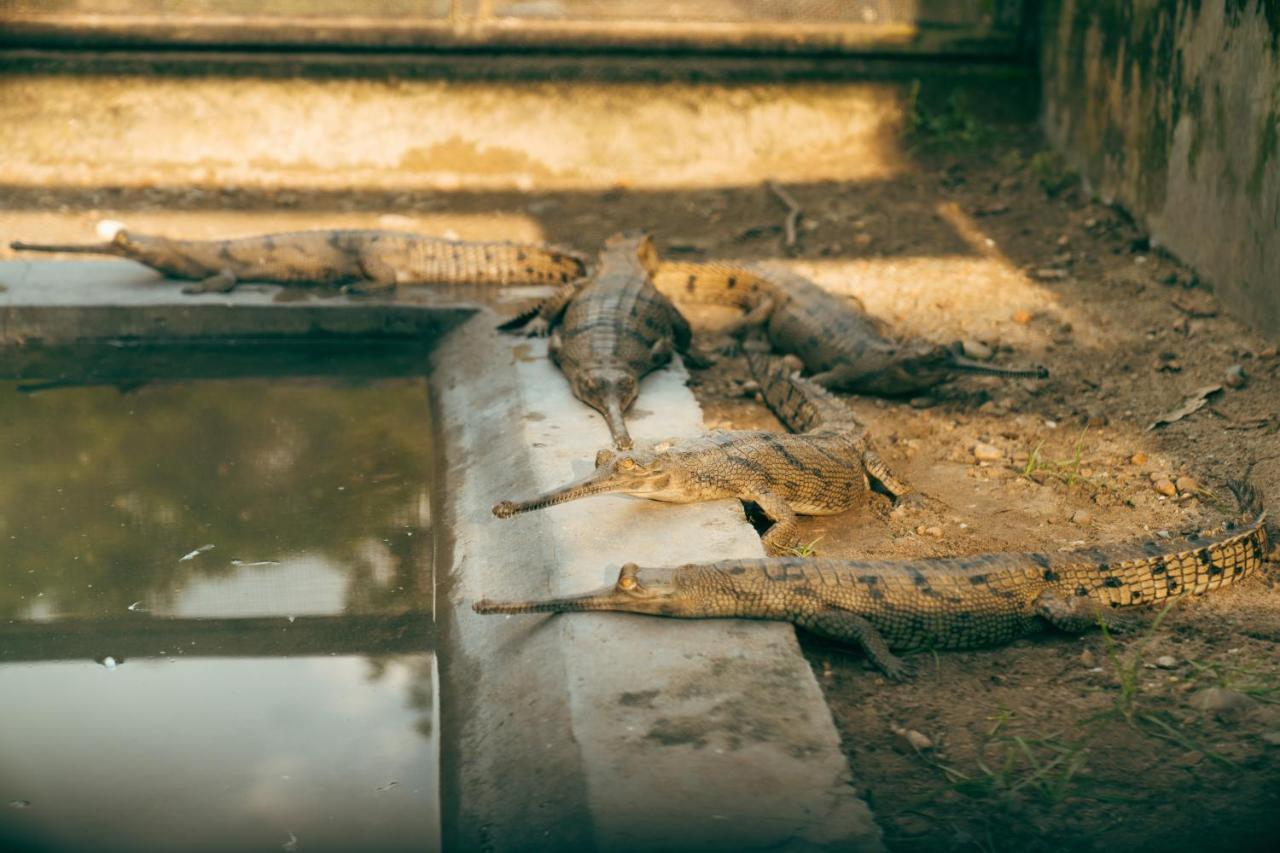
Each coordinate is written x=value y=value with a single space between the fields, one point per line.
x=938 y=603
x=824 y=470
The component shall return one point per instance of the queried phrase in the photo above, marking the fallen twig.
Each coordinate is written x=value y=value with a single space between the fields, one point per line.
x=793 y=212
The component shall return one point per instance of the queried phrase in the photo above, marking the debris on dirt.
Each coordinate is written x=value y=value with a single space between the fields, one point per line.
x=917 y=741
x=1236 y=377
x=793 y=213
x=1166 y=662
x=1138 y=458
x=1196 y=303
x=1081 y=517
x=1165 y=488
x=1194 y=403
x=1216 y=699
x=987 y=453
x=977 y=350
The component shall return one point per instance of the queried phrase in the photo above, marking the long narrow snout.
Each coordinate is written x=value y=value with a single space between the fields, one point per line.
x=72 y=248
x=617 y=424
x=967 y=365
x=599 y=482
x=603 y=599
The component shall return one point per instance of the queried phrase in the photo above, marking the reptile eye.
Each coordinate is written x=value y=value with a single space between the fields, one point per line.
x=626 y=583
x=627 y=463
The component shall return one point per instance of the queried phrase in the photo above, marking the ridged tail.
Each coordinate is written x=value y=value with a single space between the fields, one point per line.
x=800 y=404
x=1142 y=574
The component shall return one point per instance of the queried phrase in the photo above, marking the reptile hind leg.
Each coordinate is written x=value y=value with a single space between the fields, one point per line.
x=1077 y=614
x=845 y=627
x=783 y=537
x=901 y=492
x=223 y=281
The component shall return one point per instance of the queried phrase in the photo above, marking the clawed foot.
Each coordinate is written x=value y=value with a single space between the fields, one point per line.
x=896 y=669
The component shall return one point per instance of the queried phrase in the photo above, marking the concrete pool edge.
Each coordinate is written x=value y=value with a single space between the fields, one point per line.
x=676 y=734
x=598 y=730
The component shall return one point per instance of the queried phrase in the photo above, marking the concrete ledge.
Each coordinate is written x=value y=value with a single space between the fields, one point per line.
x=705 y=735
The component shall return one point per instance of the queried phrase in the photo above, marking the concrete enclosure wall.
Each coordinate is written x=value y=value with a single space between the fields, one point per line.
x=1172 y=109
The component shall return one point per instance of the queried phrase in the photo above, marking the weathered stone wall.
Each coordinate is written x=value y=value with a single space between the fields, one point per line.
x=1172 y=109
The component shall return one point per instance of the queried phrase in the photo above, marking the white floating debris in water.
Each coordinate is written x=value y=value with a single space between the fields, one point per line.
x=19 y=804
x=255 y=563
x=291 y=844
x=137 y=607
x=197 y=552
x=291 y=618
x=109 y=662
x=388 y=786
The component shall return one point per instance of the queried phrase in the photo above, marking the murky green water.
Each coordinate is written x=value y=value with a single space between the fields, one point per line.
x=215 y=615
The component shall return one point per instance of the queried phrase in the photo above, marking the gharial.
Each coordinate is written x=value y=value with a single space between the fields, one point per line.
x=843 y=347
x=822 y=470
x=938 y=603
x=364 y=261
x=610 y=329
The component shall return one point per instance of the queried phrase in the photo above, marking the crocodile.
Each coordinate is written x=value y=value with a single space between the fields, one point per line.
x=843 y=347
x=362 y=260
x=824 y=469
x=611 y=328
x=938 y=603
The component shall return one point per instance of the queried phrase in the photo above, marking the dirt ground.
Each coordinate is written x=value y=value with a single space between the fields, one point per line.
x=1165 y=739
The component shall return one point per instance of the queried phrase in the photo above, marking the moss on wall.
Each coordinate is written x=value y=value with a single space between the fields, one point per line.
x=1172 y=108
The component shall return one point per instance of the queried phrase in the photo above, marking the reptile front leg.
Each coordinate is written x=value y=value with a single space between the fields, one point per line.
x=845 y=627
x=224 y=281
x=784 y=535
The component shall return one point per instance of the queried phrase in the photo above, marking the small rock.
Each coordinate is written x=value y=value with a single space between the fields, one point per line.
x=1236 y=377
x=1087 y=659
x=1166 y=662
x=792 y=362
x=1138 y=458
x=1166 y=488
x=921 y=402
x=1187 y=485
x=1272 y=738
x=1022 y=317
x=1215 y=699
x=935 y=532
x=750 y=388
x=987 y=453
x=914 y=739
x=1081 y=516
x=977 y=350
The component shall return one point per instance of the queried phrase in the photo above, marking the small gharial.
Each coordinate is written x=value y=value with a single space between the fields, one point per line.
x=843 y=347
x=362 y=261
x=610 y=329
x=937 y=603
x=823 y=470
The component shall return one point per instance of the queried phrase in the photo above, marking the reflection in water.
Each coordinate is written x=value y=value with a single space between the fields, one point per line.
x=215 y=754
x=227 y=721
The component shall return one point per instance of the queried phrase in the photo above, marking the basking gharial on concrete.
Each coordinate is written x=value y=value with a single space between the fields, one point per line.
x=363 y=261
x=823 y=470
x=843 y=347
x=611 y=328
x=938 y=603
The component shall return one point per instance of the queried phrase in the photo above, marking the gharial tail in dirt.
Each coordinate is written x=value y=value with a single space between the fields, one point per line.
x=361 y=260
x=938 y=603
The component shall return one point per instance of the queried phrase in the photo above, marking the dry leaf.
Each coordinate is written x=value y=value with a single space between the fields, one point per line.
x=1197 y=401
